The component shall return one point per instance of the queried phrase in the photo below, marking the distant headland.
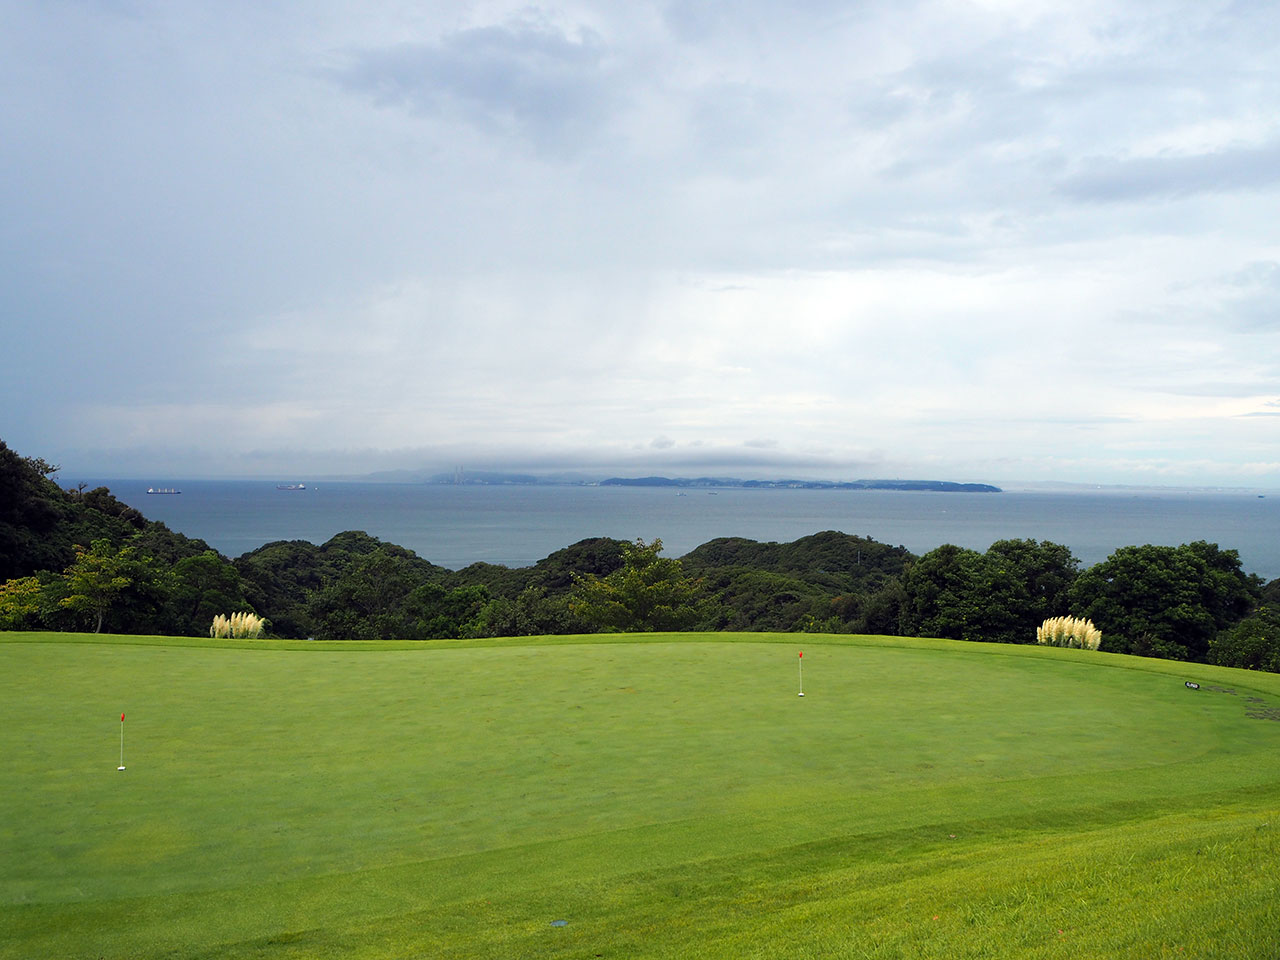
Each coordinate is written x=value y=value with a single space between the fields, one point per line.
x=940 y=486
x=497 y=478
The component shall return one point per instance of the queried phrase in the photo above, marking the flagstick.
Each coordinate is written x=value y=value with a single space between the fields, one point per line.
x=121 y=767
x=801 y=662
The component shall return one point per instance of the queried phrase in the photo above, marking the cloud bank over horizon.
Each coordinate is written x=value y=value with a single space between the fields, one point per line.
x=957 y=240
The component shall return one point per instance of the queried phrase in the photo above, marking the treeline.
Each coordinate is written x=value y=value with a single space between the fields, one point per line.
x=80 y=559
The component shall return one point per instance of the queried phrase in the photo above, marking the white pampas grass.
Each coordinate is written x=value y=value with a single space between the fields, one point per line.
x=238 y=626
x=1069 y=632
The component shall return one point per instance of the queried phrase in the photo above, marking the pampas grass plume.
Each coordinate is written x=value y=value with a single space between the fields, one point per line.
x=238 y=626
x=1069 y=632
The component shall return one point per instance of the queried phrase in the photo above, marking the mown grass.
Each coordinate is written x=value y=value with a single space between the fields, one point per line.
x=665 y=796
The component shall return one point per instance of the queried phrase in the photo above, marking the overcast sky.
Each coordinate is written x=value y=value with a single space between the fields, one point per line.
x=1001 y=240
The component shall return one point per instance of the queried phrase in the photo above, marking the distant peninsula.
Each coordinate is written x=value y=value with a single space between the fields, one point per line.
x=939 y=486
x=491 y=478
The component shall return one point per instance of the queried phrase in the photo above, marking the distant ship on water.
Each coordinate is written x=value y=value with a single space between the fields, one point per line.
x=291 y=486
x=162 y=490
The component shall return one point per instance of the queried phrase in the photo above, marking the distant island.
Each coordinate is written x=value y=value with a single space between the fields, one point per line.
x=496 y=478
x=941 y=486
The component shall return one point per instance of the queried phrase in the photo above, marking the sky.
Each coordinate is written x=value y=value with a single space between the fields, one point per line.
x=998 y=240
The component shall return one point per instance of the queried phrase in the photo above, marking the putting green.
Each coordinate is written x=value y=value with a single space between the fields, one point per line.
x=301 y=800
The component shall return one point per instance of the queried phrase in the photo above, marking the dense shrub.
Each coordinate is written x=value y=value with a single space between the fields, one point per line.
x=1164 y=601
x=1253 y=643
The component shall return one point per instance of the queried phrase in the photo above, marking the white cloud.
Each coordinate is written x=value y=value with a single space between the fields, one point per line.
x=525 y=78
x=998 y=239
x=1231 y=169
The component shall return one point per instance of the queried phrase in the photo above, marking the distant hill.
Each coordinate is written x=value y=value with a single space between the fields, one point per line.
x=940 y=486
x=41 y=524
x=496 y=478
x=500 y=478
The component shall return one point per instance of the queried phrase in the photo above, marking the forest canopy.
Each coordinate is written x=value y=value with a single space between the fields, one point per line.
x=77 y=559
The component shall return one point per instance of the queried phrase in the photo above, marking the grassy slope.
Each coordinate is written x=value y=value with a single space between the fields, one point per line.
x=670 y=798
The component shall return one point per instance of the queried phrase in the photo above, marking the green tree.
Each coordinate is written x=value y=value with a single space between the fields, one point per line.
x=32 y=512
x=877 y=612
x=281 y=577
x=382 y=595
x=829 y=581
x=1252 y=644
x=366 y=601
x=1018 y=584
x=101 y=576
x=434 y=611
x=939 y=596
x=648 y=592
x=533 y=612
x=746 y=599
x=21 y=603
x=197 y=589
x=301 y=587
x=42 y=466
x=1162 y=601
x=556 y=572
x=833 y=561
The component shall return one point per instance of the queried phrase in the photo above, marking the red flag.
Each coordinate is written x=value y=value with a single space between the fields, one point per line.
x=122 y=718
x=801 y=657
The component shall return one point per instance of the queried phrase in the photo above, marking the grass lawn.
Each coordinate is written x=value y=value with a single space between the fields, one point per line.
x=663 y=796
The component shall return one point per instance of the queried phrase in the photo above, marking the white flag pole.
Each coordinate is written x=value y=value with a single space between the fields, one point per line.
x=800 y=660
x=121 y=767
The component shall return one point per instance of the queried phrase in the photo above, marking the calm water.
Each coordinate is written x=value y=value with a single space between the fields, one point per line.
x=519 y=525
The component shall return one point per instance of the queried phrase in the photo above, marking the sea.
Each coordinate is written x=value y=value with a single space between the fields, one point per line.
x=516 y=525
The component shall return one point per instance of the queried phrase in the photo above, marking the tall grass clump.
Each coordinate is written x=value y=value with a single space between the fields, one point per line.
x=238 y=626
x=1069 y=632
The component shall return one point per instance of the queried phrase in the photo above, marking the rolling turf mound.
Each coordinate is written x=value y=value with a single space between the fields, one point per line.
x=632 y=796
